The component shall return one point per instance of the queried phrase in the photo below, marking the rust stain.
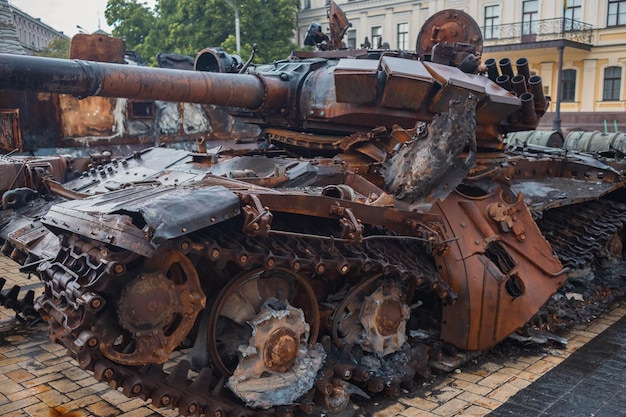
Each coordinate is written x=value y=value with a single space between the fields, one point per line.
x=62 y=412
x=92 y=116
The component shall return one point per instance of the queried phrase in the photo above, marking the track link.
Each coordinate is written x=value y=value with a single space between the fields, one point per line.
x=23 y=307
x=85 y=276
x=588 y=239
x=584 y=233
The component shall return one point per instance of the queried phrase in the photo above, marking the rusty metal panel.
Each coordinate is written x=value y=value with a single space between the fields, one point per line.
x=10 y=136
x=92 y=116
x=408 y=83
x=100 y=48
x=498 y=102
x=142 y=218
x=454 y=83
x=355 y=80
x=501 y=267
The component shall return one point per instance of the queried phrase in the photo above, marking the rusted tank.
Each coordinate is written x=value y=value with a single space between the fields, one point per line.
x=377 y=232
x=43 y=124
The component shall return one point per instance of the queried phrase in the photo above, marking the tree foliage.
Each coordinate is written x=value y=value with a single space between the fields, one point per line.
x=58 y=48
x=133 y=22
x=188 y=26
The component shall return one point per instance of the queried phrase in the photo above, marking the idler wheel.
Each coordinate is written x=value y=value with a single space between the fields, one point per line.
x=146 y=304
x=155 y=311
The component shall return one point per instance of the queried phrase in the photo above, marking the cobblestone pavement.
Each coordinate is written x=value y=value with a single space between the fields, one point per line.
x=591 y=382
x=37 y=378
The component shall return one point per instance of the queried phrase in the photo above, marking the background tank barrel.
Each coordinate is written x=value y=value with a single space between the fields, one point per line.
x=89 y=78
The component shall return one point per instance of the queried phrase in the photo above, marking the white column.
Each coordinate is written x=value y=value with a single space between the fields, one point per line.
x=388 y=29
x=415 y=24
x=547 y=79
x=589 y=85
x=363 y=30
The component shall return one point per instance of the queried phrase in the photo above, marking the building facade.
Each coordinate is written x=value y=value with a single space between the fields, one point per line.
x=32 y=33
x=577 y=46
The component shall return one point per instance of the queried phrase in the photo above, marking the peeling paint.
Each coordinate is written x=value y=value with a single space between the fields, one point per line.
x=195 y=119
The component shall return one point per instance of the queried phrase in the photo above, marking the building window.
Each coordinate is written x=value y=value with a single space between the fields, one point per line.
x=352 y=39
x=403 y=36
x=377 y=36
x=612 y=83
x=530 y=12
x=307 y=4
x=568 y=85
x=617 y=13
x=573 y=13
x=492 y=21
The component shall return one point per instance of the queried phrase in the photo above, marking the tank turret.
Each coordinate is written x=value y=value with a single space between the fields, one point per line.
x=332 y=92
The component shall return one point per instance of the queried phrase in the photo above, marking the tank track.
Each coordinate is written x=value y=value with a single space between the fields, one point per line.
x=588 y=239
x=85 y=274
x=23 y=307
x=585 y=233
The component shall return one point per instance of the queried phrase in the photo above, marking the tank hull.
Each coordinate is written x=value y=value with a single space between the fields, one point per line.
x=379 y=229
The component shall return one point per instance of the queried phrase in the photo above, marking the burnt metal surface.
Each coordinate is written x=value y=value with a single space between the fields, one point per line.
x=10 y=135
x=98 y=47
x=39 y=124
x=445 y=29
x=62 y=123
x=140 y=219
x=314 y=95
x=378 y=231
x=89 y=78
x=424 y=163
x=513 y=269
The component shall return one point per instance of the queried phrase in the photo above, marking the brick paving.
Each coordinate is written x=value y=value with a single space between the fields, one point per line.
x=37 y=378
x=482 y=387
x=590 y=382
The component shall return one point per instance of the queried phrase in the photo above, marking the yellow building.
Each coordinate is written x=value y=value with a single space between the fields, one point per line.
x=585 y=39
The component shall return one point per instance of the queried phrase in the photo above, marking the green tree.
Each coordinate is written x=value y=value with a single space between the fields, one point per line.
x=58 y=48
x=188 y=26
x=133 y=22
x=270 y=24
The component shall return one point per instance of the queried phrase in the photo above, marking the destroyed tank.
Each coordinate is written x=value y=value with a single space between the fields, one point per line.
x=378 y=232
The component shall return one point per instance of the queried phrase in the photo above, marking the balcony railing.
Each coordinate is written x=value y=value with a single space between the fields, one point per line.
x=537 y=31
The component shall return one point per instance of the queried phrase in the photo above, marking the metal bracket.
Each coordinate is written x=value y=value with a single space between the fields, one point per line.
x=432 y=236
x=258 y=219
x=351 y=227
x=504 y=217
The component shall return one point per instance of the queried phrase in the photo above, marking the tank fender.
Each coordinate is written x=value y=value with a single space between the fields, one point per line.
x=501 y=267
x=142 y=218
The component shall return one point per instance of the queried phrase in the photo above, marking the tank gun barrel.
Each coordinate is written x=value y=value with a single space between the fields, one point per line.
x=88 y=78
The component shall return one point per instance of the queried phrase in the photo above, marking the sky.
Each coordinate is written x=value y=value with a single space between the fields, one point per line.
x=65 y=15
